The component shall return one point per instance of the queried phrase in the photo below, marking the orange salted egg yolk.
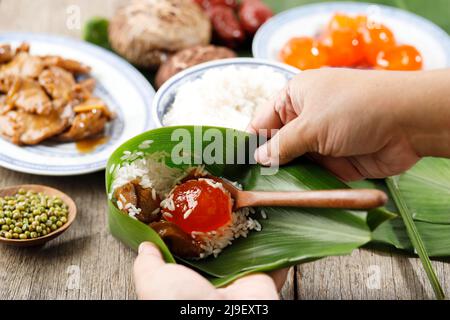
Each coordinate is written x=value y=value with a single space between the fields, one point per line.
x=200 y=205
x=344 y=46
x=342 y=21
x=377 y=38
x=304 y=53
x=401 y=58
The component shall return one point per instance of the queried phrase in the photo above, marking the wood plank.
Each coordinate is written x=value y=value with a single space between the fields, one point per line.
x=288 y=291
x=53 y=16
x=368 y=274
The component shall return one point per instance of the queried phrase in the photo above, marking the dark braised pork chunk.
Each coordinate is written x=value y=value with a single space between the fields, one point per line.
x=179 y=242
x=144 y=198
x=126 y=194
x=148 y=202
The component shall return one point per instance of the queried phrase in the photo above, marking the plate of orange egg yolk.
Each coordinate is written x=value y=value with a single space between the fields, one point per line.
x=353 y=35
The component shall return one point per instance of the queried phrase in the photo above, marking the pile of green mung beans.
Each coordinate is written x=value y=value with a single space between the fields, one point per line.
x=30 y=215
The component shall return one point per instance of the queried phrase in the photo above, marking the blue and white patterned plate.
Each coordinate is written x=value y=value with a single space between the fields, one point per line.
x=308 y=20
x=119 y=84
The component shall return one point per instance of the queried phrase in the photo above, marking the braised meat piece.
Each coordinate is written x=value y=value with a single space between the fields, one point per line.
x=148 y=201
x=6 y=53
x=23 y=47
x=88 y=84
x=4 y=105
x=80 y=93
x=70 y=65
x=26 y=128
x=45 y=93
x=143 y=198
x=28 y=95
x=179 y=242
x=6 y=82
x=85 y=125
x=57 y=82
x=23 y=65
x=90 y=120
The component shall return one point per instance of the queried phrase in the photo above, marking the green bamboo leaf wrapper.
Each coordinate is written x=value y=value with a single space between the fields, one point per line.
x=436 y=237
x=289 y=235
x=426 y=191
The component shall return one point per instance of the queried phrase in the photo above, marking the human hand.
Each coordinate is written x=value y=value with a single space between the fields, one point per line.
x=358 y=124
x=155 y=279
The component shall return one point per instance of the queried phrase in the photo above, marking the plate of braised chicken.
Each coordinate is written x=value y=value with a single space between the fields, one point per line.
x=65 y=105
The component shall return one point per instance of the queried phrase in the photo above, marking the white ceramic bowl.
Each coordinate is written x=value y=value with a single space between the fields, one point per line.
x=166 y=94
x=308 y=20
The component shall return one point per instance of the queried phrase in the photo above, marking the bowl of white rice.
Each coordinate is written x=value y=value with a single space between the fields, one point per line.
x=225 y=93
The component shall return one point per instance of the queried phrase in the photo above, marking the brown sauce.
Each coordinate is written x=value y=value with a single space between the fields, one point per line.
x=90 y=144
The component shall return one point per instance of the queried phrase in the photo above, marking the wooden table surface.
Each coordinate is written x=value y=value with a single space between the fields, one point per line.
x=86 y=262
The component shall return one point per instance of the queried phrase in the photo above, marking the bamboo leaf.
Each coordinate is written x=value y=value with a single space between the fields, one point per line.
x=379 y=215
x=288 y=237
x=436 y=237
x=415 y=237
x=426 y=190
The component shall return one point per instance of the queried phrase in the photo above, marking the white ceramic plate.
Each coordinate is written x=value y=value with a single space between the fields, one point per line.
x=408 y=28
x=119 y=84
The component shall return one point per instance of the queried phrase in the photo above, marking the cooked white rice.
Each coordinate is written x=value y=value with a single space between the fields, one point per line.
x=154 y=173
x=226 y=97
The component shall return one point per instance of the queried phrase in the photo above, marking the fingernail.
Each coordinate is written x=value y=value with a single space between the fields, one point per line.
x=145 y=247
x=261 y=156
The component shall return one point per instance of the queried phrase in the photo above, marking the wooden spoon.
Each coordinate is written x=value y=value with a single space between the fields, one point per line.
x=10 y=191
x=342 y=199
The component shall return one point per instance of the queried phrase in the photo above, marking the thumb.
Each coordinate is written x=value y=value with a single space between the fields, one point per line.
x=292 y=141
x=147 y=262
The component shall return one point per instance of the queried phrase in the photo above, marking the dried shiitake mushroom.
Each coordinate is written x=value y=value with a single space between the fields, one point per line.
x=190 y=57
x=145 y=32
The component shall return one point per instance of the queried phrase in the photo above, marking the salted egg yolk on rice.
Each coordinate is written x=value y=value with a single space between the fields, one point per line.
x=199 y=205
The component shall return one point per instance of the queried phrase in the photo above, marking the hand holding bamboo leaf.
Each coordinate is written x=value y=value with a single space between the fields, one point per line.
x=359 y=124
x=155 y=279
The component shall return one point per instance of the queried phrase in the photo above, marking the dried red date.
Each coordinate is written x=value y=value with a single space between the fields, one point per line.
x=226 y=26
x=252 y=14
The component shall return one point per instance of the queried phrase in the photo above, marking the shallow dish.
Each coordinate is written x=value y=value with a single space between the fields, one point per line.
x=408 y=28
x=9 y=191
x=121 y=86
x=166 y=94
